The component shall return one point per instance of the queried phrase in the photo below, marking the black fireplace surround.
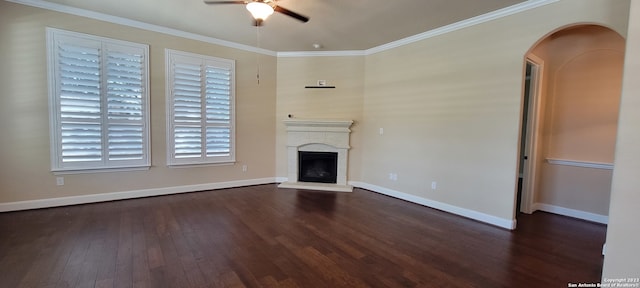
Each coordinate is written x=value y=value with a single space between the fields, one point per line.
x=319 y=167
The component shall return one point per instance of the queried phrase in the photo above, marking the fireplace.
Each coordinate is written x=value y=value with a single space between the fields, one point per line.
x=317 y=167
x=317 y=154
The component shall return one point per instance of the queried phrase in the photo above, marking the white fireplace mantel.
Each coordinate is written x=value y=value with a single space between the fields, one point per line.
x=318 y=125
x=319 y=135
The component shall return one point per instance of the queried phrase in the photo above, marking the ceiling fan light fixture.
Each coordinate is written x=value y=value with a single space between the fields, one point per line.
x=260 y=10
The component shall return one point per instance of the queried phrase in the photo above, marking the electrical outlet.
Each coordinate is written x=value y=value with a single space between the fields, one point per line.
x=393 y=176
x=244 y=168
x=381 y=131
x=60 y=181
x=434 y=185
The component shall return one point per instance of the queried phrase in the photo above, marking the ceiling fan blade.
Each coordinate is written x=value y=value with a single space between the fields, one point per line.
x=291 y=13
x=224 y=2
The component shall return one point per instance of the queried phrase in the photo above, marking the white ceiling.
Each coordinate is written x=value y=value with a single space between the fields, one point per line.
x=335 y=24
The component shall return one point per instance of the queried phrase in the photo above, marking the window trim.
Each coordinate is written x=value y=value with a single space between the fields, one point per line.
x=55 y=121
x=170 y=135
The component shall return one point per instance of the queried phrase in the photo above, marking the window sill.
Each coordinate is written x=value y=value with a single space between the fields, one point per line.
x=192 y=165
x=99 y=170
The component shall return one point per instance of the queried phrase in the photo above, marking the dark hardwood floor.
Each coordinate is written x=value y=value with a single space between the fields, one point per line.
x=262 y=236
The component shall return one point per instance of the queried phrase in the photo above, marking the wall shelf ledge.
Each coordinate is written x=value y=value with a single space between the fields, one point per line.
x=318 y=87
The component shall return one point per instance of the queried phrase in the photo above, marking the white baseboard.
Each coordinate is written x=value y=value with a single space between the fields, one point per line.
x=571 y=213
x=83 y=199
x=475 y=215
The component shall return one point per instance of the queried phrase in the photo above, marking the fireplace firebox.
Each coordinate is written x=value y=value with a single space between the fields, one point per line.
x=318 y=167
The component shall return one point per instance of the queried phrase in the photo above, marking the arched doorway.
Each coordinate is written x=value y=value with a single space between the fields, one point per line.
x=569 y=141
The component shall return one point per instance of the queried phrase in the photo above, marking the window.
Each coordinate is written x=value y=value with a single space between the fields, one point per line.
x=200 y=109
x=98 y=92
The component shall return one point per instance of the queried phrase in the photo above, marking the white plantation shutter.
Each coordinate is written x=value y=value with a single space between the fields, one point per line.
x=125 y=104
x=218 y=111
x=187 y=110
x=80 y=113
x=99 y=102
x=200 y=94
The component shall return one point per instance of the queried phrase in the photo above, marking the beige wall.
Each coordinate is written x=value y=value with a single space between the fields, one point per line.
x=450 y=106
x=623 y=234
x=24 y=122
x=344 y=102
x=582 y=83
x=585 y=83
x=578 y=188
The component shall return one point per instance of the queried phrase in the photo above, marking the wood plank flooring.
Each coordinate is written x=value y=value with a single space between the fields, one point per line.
x=262 y=236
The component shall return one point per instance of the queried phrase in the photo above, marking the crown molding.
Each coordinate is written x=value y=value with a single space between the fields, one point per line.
x=321 y=53
x=517 y=8
x=138 y=24
x=514 y=9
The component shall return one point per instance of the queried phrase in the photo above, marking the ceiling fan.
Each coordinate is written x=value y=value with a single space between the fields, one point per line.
x=261 y=9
